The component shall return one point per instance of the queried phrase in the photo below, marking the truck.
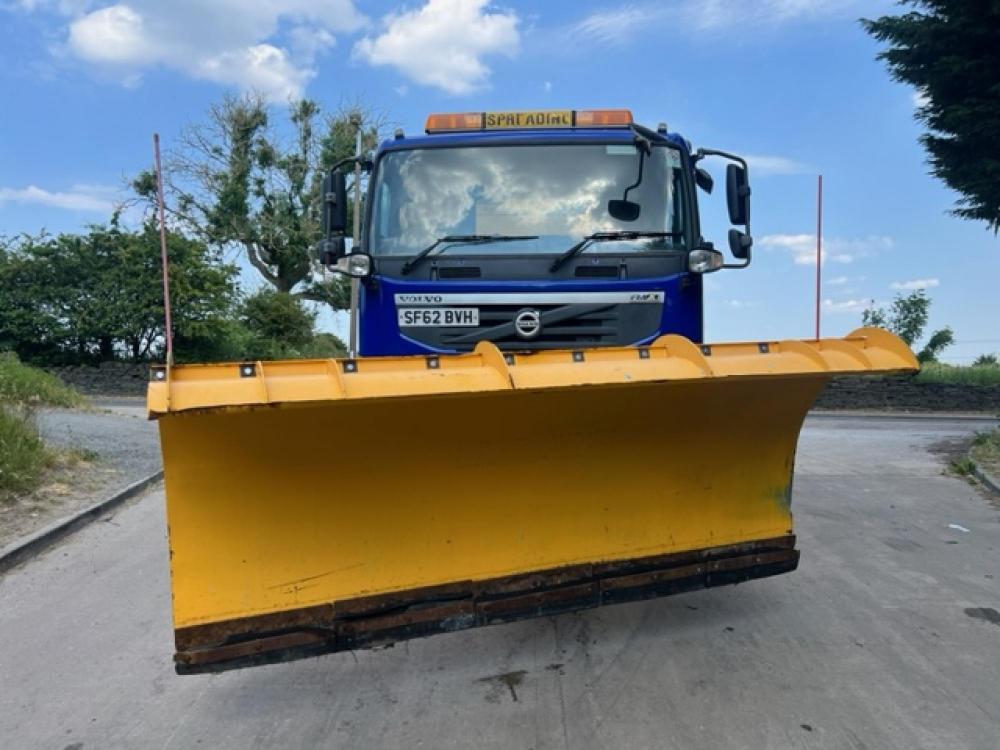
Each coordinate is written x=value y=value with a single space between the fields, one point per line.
x=530 y=422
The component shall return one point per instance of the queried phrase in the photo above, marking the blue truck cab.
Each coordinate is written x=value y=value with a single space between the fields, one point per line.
x=533 y=230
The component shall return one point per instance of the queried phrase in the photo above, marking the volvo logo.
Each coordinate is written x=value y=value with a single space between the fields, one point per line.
x=528 y=324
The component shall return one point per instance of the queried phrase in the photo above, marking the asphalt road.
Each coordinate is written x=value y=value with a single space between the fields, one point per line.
x=886 y=637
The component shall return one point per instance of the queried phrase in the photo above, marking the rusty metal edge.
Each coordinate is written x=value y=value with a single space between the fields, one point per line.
x=25 y=548
x=327 y=628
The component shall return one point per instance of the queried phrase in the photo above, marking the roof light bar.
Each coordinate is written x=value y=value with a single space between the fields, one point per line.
x=529 y=120
x=461 y=121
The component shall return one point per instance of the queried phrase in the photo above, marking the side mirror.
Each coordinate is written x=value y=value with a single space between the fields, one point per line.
x=737 y=201
x=737 y=194
x=624 y=210
x=334 y=204
x=739 y=244
x=704 y=180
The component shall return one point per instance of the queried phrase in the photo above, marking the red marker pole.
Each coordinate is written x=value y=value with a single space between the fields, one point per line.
x=163 y=251
x=819 y=247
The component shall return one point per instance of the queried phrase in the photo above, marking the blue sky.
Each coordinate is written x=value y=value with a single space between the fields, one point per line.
x=793 y=84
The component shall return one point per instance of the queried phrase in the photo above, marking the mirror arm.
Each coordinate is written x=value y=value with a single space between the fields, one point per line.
x=366 y=163
x=700 y=154
x=638 y=179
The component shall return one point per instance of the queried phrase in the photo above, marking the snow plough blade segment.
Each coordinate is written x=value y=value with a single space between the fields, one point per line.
x=315 y=506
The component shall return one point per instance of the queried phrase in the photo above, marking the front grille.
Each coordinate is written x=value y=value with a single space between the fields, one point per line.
x=591 y=326
x=597 y=272
x=459 y=272
x=563 y=326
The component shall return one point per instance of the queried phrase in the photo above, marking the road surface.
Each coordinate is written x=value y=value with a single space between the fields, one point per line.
x=886 y=637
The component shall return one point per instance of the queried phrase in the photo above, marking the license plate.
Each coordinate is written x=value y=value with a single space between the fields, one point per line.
x=438 y=316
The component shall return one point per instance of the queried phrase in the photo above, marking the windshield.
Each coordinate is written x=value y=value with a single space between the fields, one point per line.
x=558 y=192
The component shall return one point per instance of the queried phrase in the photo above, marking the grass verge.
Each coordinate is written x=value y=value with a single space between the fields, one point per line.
x=938 y=372
x=23 y=455
x=23 y=384
x=986 y=452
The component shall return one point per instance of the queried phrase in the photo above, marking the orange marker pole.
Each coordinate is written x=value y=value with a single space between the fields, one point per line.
x=163 y=251
x=819 y=248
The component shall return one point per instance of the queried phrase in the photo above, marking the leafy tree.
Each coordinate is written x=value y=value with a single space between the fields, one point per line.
x=98 y=296
x=986 y=360
x=325 y=345
x=876 y=317
x=26 y=327
x=279 y=326
x=277 y=321
x=938 y=341
x=907 y=318
x=238 y=183
x=950 y=51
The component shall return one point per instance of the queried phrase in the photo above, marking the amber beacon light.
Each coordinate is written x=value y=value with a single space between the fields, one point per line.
x=526 y=120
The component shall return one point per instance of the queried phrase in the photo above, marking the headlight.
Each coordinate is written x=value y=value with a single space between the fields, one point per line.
x=704 y=260
x=355 y=265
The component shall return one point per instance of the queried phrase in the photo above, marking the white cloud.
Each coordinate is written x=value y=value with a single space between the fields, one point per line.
x=262 y=67
x=306 y=43
x=764 y=164
x=802 y=247
x=111 y=35
x=442 y=44
x=90 y=198
x=618 y=25
x=920 y=98
x=847 y=305
x=713 y=14
x=266 y=45
x=837 y=281
x=913 y=284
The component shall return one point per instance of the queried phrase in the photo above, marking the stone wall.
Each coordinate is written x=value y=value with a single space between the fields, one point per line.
x=108 y=379
x=903 y=393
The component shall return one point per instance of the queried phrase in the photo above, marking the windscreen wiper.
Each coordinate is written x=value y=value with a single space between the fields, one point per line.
x=466 y=239
x=605 y=237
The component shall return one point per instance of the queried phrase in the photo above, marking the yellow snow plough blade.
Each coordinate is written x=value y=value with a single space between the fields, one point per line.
x=315 y=506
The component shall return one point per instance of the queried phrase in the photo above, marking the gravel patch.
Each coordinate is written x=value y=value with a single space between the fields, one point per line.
x=119 y=446
x=128 y=443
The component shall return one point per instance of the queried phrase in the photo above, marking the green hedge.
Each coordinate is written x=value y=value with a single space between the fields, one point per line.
x=29 y=386
x=937 y=372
